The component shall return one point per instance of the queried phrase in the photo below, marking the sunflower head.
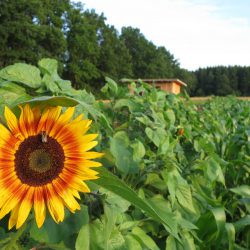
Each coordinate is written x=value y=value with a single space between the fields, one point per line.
x=44 y=163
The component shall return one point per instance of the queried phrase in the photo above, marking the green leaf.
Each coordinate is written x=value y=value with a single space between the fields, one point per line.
x=114 y=184
x=220 y=219
x=154 y=180
x=22 y=73
x=120 y=149
x=48 y=65
x=100 y=239
x=132 y=243
x=52 y=101
x=214 y=171
x=116 y=241
x=90 y=109
x=119 y=204
x=212 y=224
x=110 y=88
x=187 y=241
x=83 y=238
x=144 y=239
x=153 y=136
x=243 y=190
x=131 y=104
x=50 y=84
x=231 y=235
x=138 y=150
x=172 y=244
x=242 y=223
x=11 y=93
x=184 y=197
x=170 y=116
x=164 y=145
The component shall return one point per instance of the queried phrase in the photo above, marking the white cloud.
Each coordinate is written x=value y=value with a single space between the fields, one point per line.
x=196 y=32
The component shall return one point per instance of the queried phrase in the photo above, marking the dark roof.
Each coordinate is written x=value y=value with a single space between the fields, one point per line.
x=155 y=81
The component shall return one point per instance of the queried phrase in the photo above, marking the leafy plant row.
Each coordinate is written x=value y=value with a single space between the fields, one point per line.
x=175 y=175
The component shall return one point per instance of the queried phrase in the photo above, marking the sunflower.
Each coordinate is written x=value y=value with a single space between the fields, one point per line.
x=44 y=161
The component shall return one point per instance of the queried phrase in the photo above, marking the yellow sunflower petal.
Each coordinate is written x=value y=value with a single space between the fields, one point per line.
x=53 y=116
x=62 y=122
x=74 y=181
x=83 y=174
x=91 y=155
x=84 y=163
x=76 y=143
x=25 y=207
x=13 y=217
x=67 y=115
x=12 y=123
x=54 y=204
x=75 y=193
x=37 y=115
x=42 y=121
x=66 y=195
x=78 y=118
x=22 y=123
x=12 y=201
x=9 y=185
x=29 y=120
x=6 y=137
x=39 y=206
x=88 y=146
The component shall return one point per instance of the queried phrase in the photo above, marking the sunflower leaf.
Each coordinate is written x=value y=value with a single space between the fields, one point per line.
x=25 y=74
x=117 y=186
x=52 y=101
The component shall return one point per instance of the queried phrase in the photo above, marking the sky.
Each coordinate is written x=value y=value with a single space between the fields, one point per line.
x=199 y=33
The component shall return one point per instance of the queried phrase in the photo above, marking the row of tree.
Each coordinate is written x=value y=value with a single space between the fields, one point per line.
x=88 y=49
x=222 y=80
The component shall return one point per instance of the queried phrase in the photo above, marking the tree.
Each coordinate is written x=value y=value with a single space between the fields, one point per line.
x=30 y=30
x=115 y=60
x=148 y=60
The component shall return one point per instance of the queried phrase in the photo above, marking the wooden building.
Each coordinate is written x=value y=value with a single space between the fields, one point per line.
x=168 y=85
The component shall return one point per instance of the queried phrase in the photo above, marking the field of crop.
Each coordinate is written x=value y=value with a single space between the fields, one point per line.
x=175 y=175
x=199 y=100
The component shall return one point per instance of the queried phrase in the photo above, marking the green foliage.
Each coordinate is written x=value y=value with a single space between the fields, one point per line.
x=148 y=61
x=159 y=188
x=222 y=81
x=31 y=30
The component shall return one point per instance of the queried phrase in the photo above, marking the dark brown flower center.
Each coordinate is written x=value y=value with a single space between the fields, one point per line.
x=38 y=162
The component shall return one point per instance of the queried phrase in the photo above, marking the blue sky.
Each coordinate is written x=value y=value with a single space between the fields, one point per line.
x=199 y=33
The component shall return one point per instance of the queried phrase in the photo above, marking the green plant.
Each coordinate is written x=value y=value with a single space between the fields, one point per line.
x=159 y=188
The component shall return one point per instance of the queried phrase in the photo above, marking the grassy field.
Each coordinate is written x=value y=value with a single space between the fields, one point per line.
x=205 y=98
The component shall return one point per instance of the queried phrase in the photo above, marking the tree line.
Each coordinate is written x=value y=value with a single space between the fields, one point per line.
x=221 y=81
x=88 y=49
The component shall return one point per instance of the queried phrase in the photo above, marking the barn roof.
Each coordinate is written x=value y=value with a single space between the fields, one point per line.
x=161 y=81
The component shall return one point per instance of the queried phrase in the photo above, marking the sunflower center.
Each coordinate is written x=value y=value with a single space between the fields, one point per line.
x=38 y=162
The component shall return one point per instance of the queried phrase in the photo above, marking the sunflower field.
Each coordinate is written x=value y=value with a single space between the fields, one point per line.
x=146 y=171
